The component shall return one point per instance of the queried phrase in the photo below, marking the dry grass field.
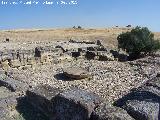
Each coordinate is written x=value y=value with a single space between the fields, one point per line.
x=108 y=35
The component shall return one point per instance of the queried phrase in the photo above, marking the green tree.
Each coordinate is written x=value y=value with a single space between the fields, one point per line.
x=137 y=42
x=79 y=27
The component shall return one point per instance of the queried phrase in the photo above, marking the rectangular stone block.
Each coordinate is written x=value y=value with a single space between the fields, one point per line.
x=40 y=97
x=74 y=104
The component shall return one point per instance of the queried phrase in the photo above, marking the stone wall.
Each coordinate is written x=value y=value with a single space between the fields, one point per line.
x=19 y=58
x=49 y=54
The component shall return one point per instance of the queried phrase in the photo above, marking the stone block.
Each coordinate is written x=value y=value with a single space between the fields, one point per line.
x=40 y=97
x=108 y=112
x=142 y=110
x=74 y=104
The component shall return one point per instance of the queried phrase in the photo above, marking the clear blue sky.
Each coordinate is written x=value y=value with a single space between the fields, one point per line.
x=87 y=13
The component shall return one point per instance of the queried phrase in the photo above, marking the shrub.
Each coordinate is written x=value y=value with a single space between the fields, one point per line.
x=79 y=27
x=137 y=42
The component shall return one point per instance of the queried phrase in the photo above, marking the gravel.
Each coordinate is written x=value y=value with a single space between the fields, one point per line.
x=111 y=79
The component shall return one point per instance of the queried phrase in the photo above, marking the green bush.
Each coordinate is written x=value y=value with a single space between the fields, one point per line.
x=137 y=42
x=79 y=27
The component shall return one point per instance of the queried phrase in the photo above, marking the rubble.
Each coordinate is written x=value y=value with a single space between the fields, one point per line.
x=46 y=54
x=92 y=68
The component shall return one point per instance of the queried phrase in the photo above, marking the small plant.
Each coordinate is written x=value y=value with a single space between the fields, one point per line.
x=137 y=42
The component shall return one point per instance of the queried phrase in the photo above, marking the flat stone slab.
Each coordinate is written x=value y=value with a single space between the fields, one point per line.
x=108 y=112
x=76 y=73
x=40 y=97
x=74 y=104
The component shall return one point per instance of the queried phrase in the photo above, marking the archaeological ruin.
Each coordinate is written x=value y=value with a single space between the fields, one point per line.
x=76 y=80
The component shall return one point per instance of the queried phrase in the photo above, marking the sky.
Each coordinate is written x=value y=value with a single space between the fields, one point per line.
x=86 y=13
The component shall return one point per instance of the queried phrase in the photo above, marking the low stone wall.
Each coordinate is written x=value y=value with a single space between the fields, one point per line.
x=46 y=55
x=21 y=58
x=73 y=104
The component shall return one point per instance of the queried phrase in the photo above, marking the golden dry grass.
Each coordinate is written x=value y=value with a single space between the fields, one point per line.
x=108 y=35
